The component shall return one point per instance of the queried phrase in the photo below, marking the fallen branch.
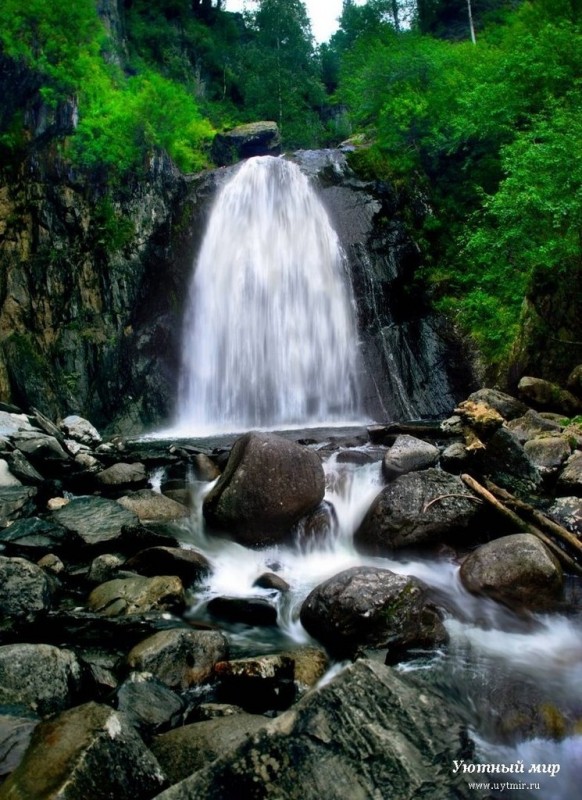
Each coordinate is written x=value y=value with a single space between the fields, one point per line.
x=444 y=496
x=521 y=524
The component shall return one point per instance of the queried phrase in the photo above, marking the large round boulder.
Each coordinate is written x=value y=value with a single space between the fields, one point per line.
x=269 y=483
x=371 y=607
x=516 y=570
x=420 y=508
x=408 y=454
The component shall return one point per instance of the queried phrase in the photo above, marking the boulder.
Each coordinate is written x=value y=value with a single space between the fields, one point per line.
x=178 y=657
x=121 y=477
x=105 y=568
x=516 y=570
x=570 y=480
x=548 y=453
x=245 y=141
x=25 y=593
x=368 y=733
x=13 y=421
x=417 y=509
x=509 y=407
x=90 y=751
x=16 y=502
x=192 y=747
x=549 y=396
x=455 y=458
x=43 y=451
x=22 y=469
x=567 y=511
x=574 y=382
x=17 y=724
x=258 y=684
x=137 y=595
x=204 y=468
x=34 y=537
x=509 y=465
x=95 y=521
x=531 y=425
x=150 y=505
x=310 y=665
x=370 y=607
x=246 y=610
x=81 y=430
x=189 y=565
x=269 y=483
x=408 y=454
x=40 y=676
x=148 y=704
x=6 y=477
x=270 y=580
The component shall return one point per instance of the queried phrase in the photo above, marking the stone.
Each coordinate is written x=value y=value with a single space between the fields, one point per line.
x=192 y=747
x=455 y=458
x=531 y=425
x=149 y=505
x=121 y=477
x=518 y=571
x=246 y=610
x=25 y=593
x=317 y=526
x=137 y=595
x=51 y=564
x=16 y=502
x=570 y=479
x=574 y=382
x=420 y=508
x=34 y=537
x=567 y=511
x=548 y=453
x=17 y=724
x=6 y=477
x=245 y=141
x=57 y=502
x=506 y=461
x=408 y=454
x=270 y=580
x=370 y=607
x=310 y=665
x=204 y=468
x=148 y=704
x=22 y=469
x=189 y=565
x=259 y=684
x=369 y=733
x=549 y=396
x=81 y=430
x=90 y=751
x=40 y=676
x=178 y=657
x=509 y=407
x=104 y=567
x=95 y=521
x=42 y=450
x=13 y=422
x=269 y=483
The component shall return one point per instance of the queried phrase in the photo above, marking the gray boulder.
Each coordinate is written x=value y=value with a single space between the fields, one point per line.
x=81 y=430
x=179 y=658
x=148 y=704
x=90 y=751
x=509 y=407
x=137 y=595
x=408 y=454
x=548 y=453
x=245 y=141
x=121 y=477
x=25 y=593
x=369 y=733
x=34 y=537
x=149 y=505
x=95 y=521
x=189 y=565
x=370 y=607
x=507 y=462
x=531 y=425
x=40 y=676
x=570 y=480
x=16 y=502
x=549 y=396
x=269 y=483
x=516 y=570
x=417 y=509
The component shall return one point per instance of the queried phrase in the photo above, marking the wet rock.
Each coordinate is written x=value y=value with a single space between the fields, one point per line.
x=257 y=684
x=87 y=752
x=22 y=469
x=100 y=667
x=6 y=477
x=33 y=537
x=189 y=565
x=408 y=454
x=548 y=453
x=16 y=502
x=567 y=511
x=368 y=733
x=150 y=505
x=531 y=425
x=104 y=567
x=204 y=468
x=455 y=458
x=317 y=526
x=246 y=610
x=509 y=407
x=370 y=607
x=549 y=396
x=417 y=509
x=43 y=451
x=148 y=704
x=137 y=595
x=17 y=724
x=269 y=483
x=51 y=564
x=81 y=430
x=509 y=465
x=270 y=580
x=178 y=657
x=186 y=750
x=574 y=382
x=570 y=480
x=516 y=570
x=95 y=521
x=245 y=141
x=25 y=593
x=310 y=665
x=121 y=477
x=40 y=676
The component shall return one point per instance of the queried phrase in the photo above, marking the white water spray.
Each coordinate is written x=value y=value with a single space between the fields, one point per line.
x=269 y=337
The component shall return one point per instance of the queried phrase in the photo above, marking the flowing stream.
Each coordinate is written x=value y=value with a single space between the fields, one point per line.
x=269 y=336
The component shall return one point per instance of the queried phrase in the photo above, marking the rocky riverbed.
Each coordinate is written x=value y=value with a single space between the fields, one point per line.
x=120 y=676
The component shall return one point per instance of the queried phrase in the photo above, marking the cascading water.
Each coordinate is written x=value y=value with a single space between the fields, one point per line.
x=269 y=337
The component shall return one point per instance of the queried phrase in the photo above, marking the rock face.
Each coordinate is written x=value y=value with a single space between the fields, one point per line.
x=415 y=510
x=269 y=483
x=245 y=141
x=516 y=570
x=368 y=733
x=370 y=607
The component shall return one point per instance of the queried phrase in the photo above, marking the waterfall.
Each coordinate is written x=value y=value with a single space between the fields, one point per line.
x=269 y=335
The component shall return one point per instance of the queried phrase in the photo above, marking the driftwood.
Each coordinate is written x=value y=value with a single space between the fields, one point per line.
x=523 y=525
